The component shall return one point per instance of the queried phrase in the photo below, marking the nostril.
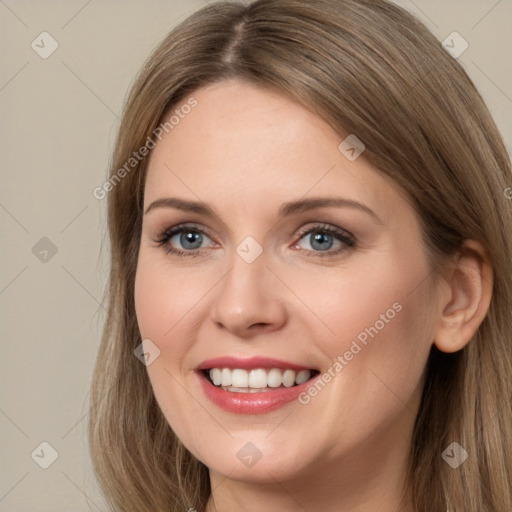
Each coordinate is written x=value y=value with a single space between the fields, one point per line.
x=259 y=325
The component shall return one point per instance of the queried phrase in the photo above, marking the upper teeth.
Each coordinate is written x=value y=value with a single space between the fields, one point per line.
x=258 y=378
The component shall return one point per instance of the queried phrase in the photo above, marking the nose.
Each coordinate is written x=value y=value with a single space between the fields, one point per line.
x=249 y=299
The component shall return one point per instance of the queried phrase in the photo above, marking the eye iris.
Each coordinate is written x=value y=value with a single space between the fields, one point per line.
x=190 y=237
x=323 y=239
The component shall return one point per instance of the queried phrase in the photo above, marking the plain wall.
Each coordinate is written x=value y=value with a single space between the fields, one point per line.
x=59 y=117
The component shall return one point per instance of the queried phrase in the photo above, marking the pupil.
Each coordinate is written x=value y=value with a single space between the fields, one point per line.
x=321 y=238
x=190 y=237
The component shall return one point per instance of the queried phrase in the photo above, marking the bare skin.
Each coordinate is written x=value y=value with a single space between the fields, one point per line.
x=246 y=151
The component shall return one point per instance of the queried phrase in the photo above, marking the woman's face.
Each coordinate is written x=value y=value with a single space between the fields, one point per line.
x=273 y=283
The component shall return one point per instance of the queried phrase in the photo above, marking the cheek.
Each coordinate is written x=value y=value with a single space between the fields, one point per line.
x=384 y=327
x=164 y=297
x=364 y=300
x=379 y=317
x=162 y=302
x=161 y=306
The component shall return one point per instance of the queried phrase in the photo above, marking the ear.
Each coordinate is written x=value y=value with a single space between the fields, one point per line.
x=466 y=297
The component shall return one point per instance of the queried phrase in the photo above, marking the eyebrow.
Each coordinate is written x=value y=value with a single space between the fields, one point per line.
x=286 y=209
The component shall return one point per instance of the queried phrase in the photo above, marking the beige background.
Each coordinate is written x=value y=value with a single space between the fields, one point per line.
x=59 y=117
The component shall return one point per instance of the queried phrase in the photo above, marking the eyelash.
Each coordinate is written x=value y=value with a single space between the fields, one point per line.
x=341 y=235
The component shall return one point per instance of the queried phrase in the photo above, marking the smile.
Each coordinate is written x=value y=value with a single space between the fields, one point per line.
x=256 y=385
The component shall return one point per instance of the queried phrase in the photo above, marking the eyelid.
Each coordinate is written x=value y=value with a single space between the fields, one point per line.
x=169 y=232
x=330 y=228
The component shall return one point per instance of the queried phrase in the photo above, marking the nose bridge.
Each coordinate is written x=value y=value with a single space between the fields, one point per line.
x=248 y=270
x=246 y=296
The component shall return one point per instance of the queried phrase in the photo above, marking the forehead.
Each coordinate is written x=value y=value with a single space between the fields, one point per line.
x=249 y=146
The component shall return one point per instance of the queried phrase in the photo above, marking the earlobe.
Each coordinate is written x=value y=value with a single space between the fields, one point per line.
x=466 y=301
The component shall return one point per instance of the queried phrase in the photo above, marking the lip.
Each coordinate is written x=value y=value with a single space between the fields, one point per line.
x=249 y=363
x=250 y=403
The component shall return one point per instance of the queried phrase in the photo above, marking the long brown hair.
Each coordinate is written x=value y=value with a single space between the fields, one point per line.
x=369 y=68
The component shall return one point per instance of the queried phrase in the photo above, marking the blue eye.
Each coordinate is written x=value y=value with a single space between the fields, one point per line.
x=324 y=238
x=188 y=237
x=191 y=240
x=321 y=241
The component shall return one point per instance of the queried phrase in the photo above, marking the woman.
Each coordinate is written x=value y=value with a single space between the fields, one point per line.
x=310 y=288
